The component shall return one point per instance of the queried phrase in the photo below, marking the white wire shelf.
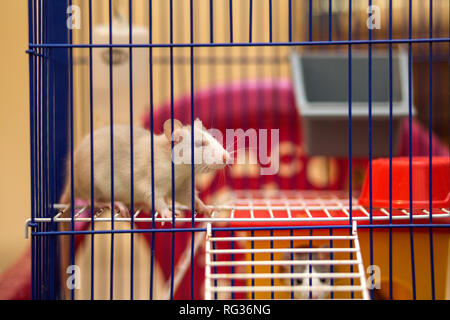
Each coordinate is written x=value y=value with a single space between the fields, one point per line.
x=218 y=281
x=285 y=288
x=267 y=206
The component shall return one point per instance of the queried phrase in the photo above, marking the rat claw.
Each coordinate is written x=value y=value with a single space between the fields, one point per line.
x=120 y=206
x=123 y=210
x=166 y=213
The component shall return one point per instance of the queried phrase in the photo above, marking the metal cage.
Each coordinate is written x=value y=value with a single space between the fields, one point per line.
x=95 y=63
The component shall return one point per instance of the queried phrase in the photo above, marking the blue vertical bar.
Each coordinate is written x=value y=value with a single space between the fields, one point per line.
x=211 y=21
x=48 y=165
x=130 y=36
x=330 y=20
x=370 y=151
x=231 y=21
x=430 y=150
x=272 y=282
x=214 y=256
x=111 y=119
x=252 y=233
x=331 y=265
x=32 y=142
x=310 y=20
x=42 y=164
x=49 y=212
x=59 y=64
x=72 y=197
x=152 y=129
x=39 y=144
x=59 y=76
x=350 y=153
x=191 y=25
x=291 y=244
x=310 y=259
x=411 y=230
x=42 y=142
x=91 y=127
x=37 y=157
x=172 y=145
x=232 y=266
x=390 y=151
x=46 y=143
x=270 y=22
x=40 y=147
x=53 y=226
x=228 y=120
x=250 y=21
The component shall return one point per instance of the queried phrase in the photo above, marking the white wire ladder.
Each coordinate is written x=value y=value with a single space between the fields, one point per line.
x=213 y=287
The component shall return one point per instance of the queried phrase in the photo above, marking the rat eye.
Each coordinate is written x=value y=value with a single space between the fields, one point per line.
x=323 y=280
x=299 y=281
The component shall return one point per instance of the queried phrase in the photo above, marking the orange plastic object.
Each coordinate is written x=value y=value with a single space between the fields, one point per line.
x=400 y=183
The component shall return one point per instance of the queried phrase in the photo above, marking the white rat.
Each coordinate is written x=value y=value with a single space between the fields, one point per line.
x=305 y=269
x=208 y=152
x=209 y=155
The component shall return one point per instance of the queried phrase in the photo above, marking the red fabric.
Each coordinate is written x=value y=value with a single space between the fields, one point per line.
x=15 y=282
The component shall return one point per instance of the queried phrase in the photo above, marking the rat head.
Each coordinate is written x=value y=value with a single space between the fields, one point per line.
x=209 y=154
x=309 y=269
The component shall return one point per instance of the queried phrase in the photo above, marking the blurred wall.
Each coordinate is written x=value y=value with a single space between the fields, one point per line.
x=212 y=65
x=14 y=130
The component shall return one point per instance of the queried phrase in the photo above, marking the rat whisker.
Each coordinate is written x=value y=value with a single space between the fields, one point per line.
x=235 y=141
x=247 y=148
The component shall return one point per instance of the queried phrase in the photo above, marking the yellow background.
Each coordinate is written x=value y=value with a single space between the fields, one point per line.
x=14 y=130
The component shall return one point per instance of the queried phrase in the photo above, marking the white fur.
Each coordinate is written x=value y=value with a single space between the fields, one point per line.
x=310 y=284
x=315 y=282
x=141 y=165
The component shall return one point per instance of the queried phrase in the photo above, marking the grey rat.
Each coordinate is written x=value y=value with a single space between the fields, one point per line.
x=208 y=152
x=315 y=269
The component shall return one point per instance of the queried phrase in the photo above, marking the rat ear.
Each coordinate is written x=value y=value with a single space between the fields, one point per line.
x=198 y=124
x=286 y=256
x=324 y=255
x=168 y=127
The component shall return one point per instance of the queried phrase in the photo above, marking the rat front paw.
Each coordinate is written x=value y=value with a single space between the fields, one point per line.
x=166 y=213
